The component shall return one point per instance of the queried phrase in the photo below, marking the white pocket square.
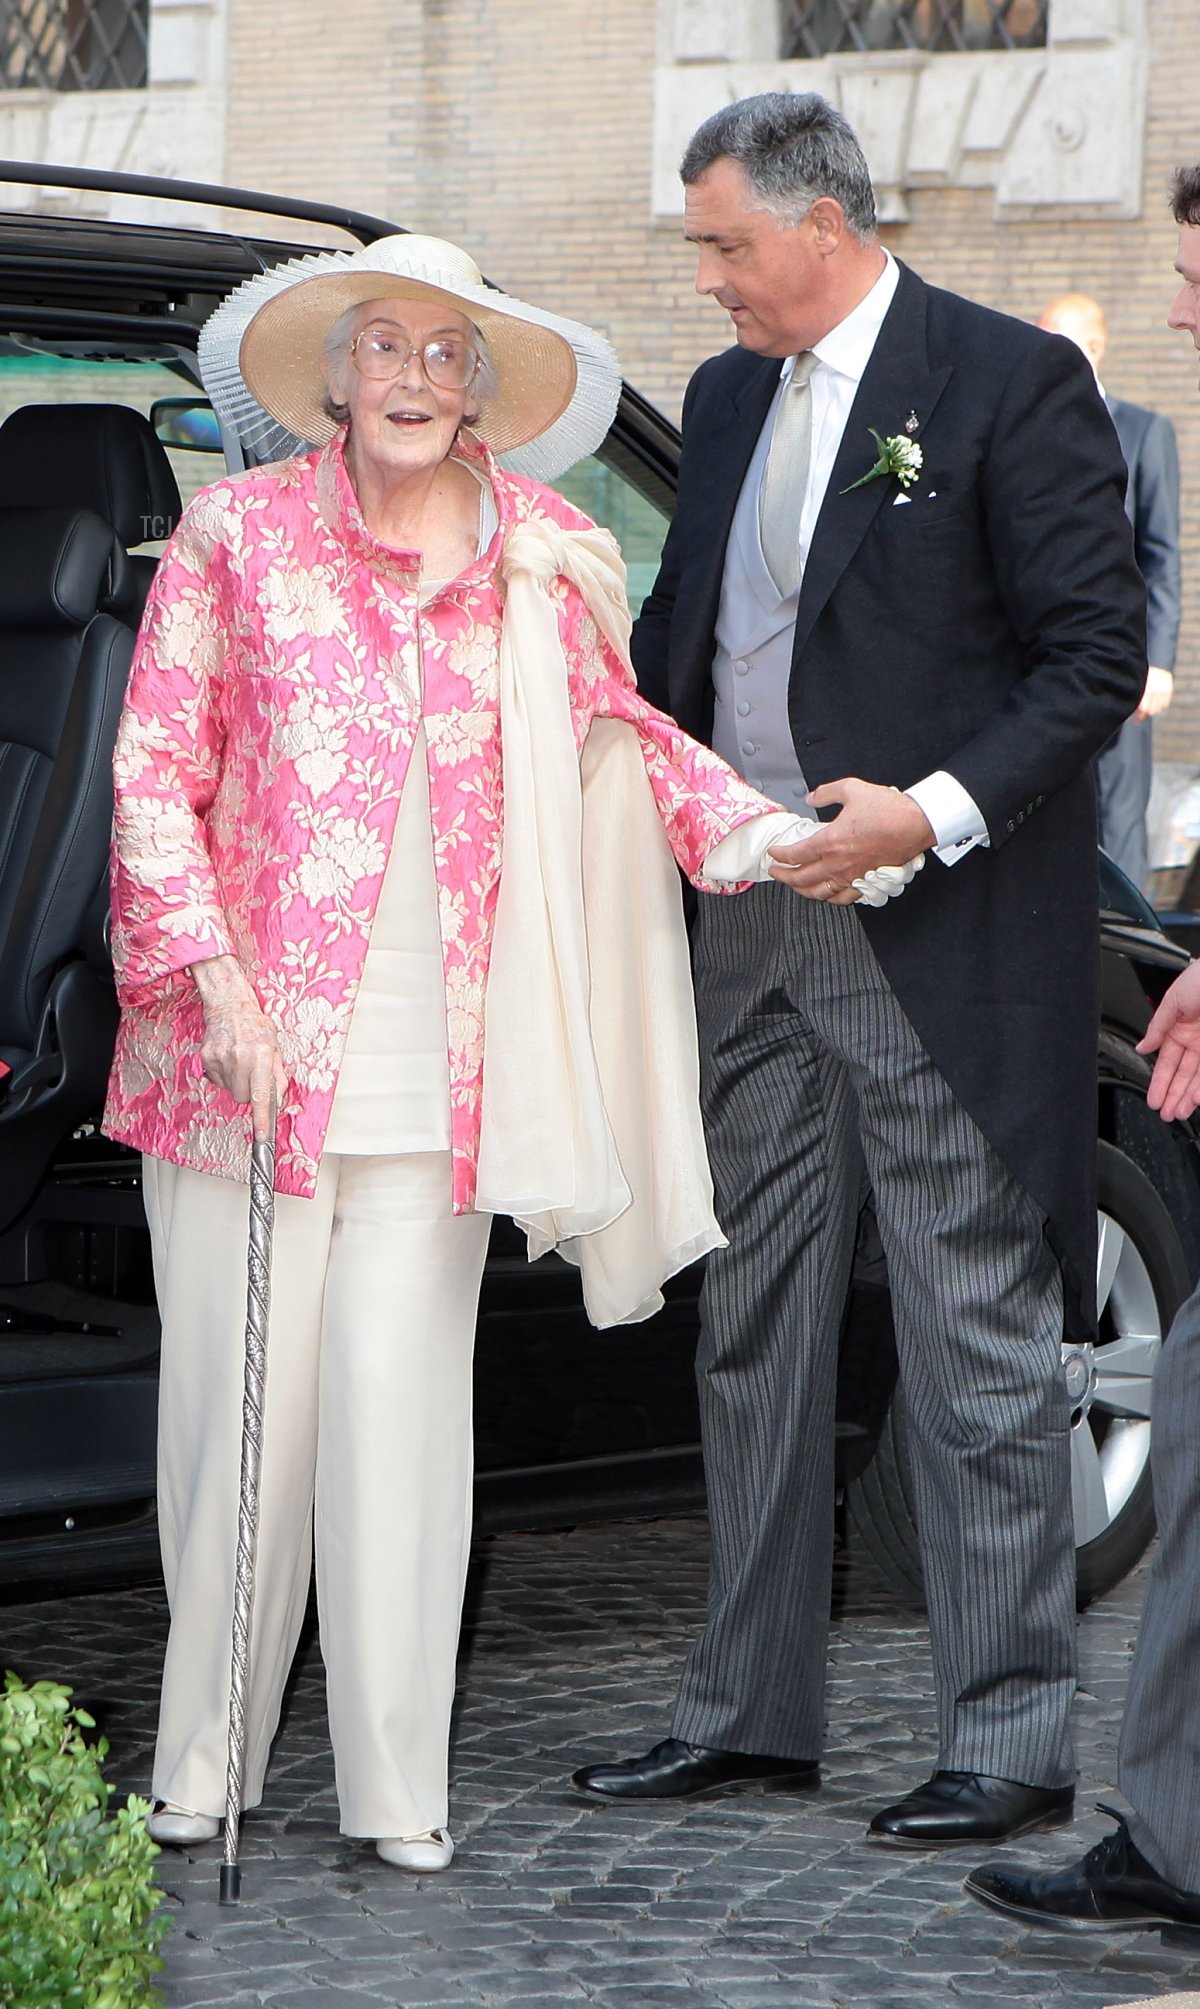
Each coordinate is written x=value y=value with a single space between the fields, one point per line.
x=898 y=499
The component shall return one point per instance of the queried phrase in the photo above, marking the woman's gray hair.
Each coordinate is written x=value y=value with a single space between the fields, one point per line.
x=792 y=149
x=335 y=352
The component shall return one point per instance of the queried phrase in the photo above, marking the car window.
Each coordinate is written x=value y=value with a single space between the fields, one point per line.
x=613 y=489
x=612 y=486
x=67 y=380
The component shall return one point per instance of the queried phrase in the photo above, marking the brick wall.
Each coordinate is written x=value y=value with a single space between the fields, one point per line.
x=522 y=129
x=311 y=93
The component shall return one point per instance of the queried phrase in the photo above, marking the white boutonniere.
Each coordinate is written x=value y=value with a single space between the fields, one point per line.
x=897 y=455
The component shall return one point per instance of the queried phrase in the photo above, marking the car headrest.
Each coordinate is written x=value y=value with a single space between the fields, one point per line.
x=102 y=457
x=59 y=567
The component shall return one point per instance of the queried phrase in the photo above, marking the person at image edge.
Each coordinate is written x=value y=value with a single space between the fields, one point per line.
x=1146 y=1873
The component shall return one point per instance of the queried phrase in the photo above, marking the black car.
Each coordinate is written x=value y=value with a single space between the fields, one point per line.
x=99 y=321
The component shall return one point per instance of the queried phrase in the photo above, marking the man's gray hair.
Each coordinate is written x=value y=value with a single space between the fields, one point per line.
x=792 y=149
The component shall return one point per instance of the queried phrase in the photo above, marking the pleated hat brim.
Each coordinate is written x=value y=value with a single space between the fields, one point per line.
x=260 y=354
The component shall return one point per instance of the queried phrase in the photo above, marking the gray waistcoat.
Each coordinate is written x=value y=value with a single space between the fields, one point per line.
x=753 y=660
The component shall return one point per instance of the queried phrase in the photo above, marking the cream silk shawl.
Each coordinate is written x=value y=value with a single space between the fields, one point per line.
x=591 y=1134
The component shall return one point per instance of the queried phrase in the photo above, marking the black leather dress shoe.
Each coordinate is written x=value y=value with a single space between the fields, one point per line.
x=957 y=1807
x=678 y=1771
x=1113 y=1889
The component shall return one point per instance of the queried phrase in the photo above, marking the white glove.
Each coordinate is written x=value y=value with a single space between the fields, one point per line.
x=886 y=882
x=745 y=854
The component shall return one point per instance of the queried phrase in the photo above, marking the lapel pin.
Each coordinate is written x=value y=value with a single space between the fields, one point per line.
x=911 y=423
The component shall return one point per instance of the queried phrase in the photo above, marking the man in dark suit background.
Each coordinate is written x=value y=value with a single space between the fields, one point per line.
x=900 y=576
x=1125 y=766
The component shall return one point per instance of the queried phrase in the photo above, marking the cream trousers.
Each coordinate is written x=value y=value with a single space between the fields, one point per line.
x=375 y=1285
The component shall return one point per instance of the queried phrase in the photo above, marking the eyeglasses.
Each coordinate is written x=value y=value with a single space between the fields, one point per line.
x=448 y=362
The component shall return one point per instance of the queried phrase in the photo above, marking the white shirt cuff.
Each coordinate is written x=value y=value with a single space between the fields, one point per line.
x=954 y=816
x=743 y=854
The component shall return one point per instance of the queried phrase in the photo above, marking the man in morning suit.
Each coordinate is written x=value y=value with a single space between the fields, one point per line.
x=1146 y=1875
x=1125 y=766
x=933 y=644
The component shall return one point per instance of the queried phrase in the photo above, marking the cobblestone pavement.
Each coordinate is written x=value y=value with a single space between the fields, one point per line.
x=571 y=1651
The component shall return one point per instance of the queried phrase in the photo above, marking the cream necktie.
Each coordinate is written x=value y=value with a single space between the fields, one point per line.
x=785 y=479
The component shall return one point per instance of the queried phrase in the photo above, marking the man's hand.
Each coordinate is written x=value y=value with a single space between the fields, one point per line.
x=876 y=826
x=1174 y=1035
x=1160 y=689
x=239 y=1051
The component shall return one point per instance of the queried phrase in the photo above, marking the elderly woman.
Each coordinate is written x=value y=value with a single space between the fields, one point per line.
x=357 y=870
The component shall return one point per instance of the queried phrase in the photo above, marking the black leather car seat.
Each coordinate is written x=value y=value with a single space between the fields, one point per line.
x=66 y=641
x=107 y=458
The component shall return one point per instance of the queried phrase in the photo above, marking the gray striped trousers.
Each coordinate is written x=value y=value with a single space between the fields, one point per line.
x=1159 y=1764
x=811 y=1075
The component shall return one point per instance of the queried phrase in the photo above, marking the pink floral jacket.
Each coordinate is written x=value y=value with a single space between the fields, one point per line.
x=283 y=669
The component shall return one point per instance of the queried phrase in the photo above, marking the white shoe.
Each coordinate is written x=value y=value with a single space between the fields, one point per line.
x=422 y=1852
x=175 y=1828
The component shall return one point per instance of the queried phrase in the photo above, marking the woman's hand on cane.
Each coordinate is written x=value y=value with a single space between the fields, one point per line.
x=240 y=1051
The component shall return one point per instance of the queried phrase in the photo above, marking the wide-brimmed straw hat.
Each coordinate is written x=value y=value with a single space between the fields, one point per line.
x=260 y=353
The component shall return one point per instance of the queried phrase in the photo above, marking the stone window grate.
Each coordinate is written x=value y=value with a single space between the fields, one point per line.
x=831 y=27
x=73 y=45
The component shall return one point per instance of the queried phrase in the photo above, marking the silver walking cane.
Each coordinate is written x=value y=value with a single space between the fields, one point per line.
x=258 y=1311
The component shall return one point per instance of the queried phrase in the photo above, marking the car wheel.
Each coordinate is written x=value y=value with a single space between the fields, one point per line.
x=1142 y=1278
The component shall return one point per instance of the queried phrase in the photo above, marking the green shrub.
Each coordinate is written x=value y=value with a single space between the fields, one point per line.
x=78 y=1903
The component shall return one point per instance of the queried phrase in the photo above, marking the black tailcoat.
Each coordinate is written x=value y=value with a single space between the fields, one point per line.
x=994 y=627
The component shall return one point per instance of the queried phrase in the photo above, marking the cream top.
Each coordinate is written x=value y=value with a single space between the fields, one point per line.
x=393 y=1092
